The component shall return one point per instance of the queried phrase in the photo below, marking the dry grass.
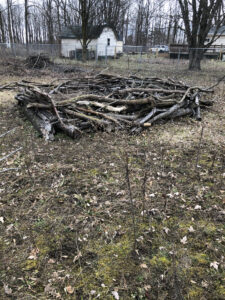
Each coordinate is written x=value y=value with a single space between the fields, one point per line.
x=66 y=219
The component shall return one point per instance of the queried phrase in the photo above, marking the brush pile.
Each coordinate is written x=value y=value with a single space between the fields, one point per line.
x=107 y=102
x=39 y=61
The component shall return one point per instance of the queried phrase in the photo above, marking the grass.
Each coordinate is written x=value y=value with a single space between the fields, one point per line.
x=67 y=221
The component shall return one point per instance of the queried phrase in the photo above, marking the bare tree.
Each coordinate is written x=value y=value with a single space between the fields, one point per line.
x=86 y=10
x=9 y=17
x=2 y=26
x=26 y=21
x=199 y=18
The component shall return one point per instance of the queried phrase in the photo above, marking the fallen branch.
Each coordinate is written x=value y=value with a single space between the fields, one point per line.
x=4 y=134
x=10 y=154
x=4 y=170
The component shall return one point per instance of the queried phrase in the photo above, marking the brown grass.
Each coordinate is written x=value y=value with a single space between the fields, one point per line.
x=66 y=229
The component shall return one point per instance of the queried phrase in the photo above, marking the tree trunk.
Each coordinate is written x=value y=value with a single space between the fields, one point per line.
x=84 y=42
x=26 y=24
x=2 y=28
x=84 y=17
x=169 y=29
x=195 y=58
x=9 y=7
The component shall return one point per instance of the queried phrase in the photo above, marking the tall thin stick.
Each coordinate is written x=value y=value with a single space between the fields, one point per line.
x=144 y=185
x=199 y=148
x=130 y=197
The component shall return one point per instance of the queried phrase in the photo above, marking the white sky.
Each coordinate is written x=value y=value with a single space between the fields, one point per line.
x=3 y=2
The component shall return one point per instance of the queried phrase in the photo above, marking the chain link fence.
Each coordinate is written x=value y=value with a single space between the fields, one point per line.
x=126 y=56
x=71 y=51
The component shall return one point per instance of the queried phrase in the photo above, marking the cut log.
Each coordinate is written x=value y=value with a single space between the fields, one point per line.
x=40 y=122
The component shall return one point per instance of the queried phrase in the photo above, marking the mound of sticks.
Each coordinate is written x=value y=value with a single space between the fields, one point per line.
x=39 y=61
x=107 y=102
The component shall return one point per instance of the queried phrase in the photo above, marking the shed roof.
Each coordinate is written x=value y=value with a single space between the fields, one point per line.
x=75 y=32
x=221 y=31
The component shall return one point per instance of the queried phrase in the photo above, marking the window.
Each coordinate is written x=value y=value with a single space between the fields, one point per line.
x=108 y=42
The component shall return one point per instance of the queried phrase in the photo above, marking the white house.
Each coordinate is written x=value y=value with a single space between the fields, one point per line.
x=103 y=40
x=220 y=36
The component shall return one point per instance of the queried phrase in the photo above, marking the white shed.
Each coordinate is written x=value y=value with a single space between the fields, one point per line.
x=102 y=40
x=220 y=36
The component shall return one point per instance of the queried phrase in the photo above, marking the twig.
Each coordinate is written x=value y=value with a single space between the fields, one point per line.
x=102 y=72
x=218 y=82
x=199 y=148
x=56 y=111
x=213 y=163
x=36 y=61
x=144 y=185
x=222 y=171
x=130 y=197
x=10 y=154
x=8 y=169
x=4 y=134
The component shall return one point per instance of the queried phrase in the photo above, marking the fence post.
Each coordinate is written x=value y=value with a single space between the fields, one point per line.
x=12 y=49
x=179 y=57
x=96 y=53
x=106 y=55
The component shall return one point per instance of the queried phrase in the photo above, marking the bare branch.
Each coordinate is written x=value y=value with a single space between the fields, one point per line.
x=10 y=154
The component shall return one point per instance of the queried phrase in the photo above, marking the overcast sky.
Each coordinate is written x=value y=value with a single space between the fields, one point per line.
x=3 y=2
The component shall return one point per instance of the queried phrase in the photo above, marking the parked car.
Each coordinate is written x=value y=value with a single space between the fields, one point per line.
x=160 y=48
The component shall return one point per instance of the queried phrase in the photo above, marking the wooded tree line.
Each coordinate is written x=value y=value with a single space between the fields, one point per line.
x=142 y=22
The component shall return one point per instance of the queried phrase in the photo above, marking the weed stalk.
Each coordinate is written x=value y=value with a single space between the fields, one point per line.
x=130 y=197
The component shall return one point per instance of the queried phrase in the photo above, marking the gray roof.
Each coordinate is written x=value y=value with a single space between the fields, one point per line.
x=75 y=32
x=221 y=31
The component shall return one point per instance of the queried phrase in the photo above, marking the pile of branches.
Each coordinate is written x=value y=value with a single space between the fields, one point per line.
x=39 y=61
x=108 y=102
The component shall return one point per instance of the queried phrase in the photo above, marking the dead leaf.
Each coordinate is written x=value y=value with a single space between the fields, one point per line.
x=77 y=256
x=166 y=230
x=33 y=254
x=116 y=295
x=204 y=284
x=93 y=292
x=9 y=227
x=184 y=240
x=214 y=265
x=7 y=290
x=197 y=207
x=48 y=288
x=69 y=289
x=191 y=229
x=144 y=266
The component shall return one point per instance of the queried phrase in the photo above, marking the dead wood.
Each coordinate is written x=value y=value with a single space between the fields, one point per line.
x=40 y=61
x=10 y=154
x=7 y=132
x=107 y=102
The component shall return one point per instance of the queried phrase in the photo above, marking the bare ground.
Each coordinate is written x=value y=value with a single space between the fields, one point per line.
x=72 y=229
